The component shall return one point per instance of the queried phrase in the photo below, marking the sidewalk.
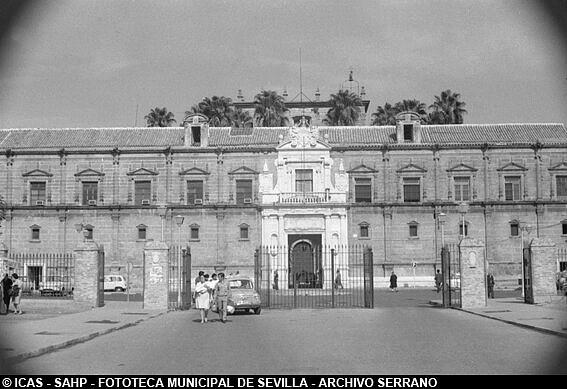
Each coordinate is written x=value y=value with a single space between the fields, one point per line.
x=550 y=317
x=46 y=326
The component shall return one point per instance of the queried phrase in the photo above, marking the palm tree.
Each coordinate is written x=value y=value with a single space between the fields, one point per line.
x=413 y=106
x=385 y=116
x=269 y=109
x=447 y=108
x=159 y=117
x=241 y=118
x=345 y=109
x=218 y=109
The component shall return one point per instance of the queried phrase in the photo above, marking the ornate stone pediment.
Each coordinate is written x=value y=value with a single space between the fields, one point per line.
x=411 y=168
x=37 y=173
x=559 y=167
x=362 y=169
x=89 y=173
x=461 y=168
x=142 y=172
x=303 y=137
x=243 y=170
x=512 y=167
x=194 y=171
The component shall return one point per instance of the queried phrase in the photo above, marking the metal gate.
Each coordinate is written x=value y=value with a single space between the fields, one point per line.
x=451 y=270
x=308 y=276
x=527 y=276
x=179 y=276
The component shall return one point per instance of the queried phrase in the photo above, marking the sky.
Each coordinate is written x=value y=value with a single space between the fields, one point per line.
x=107 y=63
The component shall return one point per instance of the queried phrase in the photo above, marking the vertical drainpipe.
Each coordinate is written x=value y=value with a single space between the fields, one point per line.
x=436 y=198
x=385 y=161
x=536 y=147
x=219 y=165
x=485 y=159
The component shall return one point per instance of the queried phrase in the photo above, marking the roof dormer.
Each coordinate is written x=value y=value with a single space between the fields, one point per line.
x=196 y=130
x=408 y=127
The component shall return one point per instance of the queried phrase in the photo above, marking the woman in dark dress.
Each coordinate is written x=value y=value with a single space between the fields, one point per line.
x=394 y=282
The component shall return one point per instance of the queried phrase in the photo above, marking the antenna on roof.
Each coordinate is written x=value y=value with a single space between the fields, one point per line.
x=136 y=120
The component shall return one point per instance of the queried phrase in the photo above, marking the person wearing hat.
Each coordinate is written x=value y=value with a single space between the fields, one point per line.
x=16 y=294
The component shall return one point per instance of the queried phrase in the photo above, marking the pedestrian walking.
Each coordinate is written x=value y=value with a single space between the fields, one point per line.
x=490 y=284
x=16 y=294
x=438 y=280
x=276 y=280
x=222 y=294
x=211 y=283
x=393 y=282
x=6 y=289
x=338 y=280
x=202 y=299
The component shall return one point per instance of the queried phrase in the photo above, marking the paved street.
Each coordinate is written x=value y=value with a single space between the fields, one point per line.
x=404 y=335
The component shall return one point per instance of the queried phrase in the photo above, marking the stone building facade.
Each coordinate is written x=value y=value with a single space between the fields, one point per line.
x=238 y=189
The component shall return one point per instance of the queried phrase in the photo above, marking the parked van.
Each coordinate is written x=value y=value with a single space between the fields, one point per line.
x=114 y=282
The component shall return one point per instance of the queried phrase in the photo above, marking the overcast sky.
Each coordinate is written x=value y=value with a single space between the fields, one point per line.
x=81 y=63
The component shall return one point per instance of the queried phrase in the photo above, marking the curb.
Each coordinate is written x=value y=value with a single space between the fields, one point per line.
x=81 y=339
x=526 y=326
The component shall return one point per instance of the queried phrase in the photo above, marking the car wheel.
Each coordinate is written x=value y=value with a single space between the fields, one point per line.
x=257 y=310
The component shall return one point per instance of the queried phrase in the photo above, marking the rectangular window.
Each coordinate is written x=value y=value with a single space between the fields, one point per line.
x=243 y=191
x=412 y=190
x=142 y=233
x=413 y=230
x=90 y=192
x=37 y=192
x=512 y=188
x=194 y=191
x=304 y=180
x=514 y=229
x=35 y=233
x=408 y=132
x=564 y=228
x=462 y=188
x=194 y=233
x=243 y=232
x=89 y=234
x=142 y=192
x=364 y=232
x=561 y=183
x=362 y=190
x=461 y=229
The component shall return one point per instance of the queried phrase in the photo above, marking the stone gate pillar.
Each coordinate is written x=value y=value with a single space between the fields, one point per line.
x=87 y=274
x=543 y=269
x=156 y=275
x=473 y=277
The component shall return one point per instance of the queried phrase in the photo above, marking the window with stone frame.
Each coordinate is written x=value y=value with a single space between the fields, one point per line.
x=362 y=190
x=244 y=232
x=514 y=229
x=304 y=180
x=89 y=232
x=561 y=185
x=35 y=231
x=512 y=188
x=413 y=229
x=564 y=227
x=194 y=191
x=243 y=191
x=364 y=230
x=37 y=192
x=412 y=189
x=462 y=188
x=194 y=232
x=142 y=192
x=142 y=232
x=466 y=229
x=90 y=191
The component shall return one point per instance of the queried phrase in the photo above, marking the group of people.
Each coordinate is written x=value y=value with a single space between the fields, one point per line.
x=11 y=290
x=211 y=294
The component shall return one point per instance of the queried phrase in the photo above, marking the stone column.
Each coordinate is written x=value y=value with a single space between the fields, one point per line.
x=88 y=271
x=155 y=275
x=543 y=270
x=473 y=277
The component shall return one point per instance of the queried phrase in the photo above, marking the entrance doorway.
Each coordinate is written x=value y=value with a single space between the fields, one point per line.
x=305 y=262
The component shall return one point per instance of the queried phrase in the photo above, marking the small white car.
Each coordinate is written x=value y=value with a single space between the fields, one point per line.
x=114 y=282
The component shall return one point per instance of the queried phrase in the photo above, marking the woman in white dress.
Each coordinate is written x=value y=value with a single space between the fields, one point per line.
x=202 y=299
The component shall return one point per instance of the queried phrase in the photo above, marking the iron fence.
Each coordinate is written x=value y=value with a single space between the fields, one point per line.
x=45 y=274
x=451 y=269
x=179 y=278
x=306 y=276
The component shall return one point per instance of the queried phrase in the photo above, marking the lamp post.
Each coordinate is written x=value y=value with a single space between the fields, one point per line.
x=441 y=218
x=528 y=229
x=463 y=208
x=179 y=221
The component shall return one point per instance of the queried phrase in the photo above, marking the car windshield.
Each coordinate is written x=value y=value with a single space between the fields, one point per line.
x=240 y=284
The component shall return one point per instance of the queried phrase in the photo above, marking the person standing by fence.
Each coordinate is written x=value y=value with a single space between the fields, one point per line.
x=438 y=280
x=490 y=284
x=393 y=282
x=6 y=287
x=276 y=280
x=16 y=294
x=338 y=280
